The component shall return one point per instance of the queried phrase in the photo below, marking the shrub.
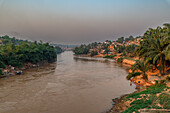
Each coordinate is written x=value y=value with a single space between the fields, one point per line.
x=149 y=99
x=109 y=56
x=120 y=60
x=92 y=53
x=168 y=78
x=130 y=75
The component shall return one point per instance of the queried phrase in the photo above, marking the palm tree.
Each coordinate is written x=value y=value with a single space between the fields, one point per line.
x=167 y=35
x=156 y=47
x=140 y=67
x=167 y=25
x=107 y=50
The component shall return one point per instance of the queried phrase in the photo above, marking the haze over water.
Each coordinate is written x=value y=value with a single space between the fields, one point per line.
x=71 y=85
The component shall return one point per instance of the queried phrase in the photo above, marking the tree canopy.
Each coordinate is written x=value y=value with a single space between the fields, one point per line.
x=16 y=52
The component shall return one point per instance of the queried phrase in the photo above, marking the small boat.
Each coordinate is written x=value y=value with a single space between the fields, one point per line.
x=18 y=72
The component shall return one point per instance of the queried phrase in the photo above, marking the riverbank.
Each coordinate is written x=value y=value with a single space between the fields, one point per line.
x=153 y=99
x=118 y=105
x=11 y=71
x=121 y=104
x=138 y=80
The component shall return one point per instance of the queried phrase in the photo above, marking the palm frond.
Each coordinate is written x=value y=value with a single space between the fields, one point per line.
x=156 y=58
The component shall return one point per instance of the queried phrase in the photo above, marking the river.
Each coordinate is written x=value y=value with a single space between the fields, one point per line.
x=70 y=85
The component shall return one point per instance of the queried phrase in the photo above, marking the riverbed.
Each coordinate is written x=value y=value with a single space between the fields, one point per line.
x=70 y=85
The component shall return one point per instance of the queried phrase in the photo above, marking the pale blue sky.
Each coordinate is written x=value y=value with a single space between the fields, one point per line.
x=80 y=21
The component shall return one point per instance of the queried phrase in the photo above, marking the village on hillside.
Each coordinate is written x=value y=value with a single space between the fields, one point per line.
x=113 y=47
x=132 y=52
x=148 y=59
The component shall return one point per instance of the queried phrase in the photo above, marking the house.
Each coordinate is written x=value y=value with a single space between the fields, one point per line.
x=1 y=41
x=107 y=42
x=111 y=47
x=136 y=42
x=99 y=46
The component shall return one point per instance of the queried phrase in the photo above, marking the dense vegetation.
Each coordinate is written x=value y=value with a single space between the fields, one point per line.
x=84 y=49
x=120 y=40
x=15 y=52
x=58 y=50
x=109 y=56
x=92 y=53
x=155 y=97
x=154 y=50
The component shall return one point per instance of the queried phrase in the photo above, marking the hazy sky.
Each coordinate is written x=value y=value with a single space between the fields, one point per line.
x=80 y=21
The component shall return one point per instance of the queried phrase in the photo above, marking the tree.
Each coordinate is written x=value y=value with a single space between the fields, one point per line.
x=92 y=53
x=130 y=38
x=156 y=47
x=130 y=49
x=120 y=40
x=142 y=67
x=58 y=49
x=83 y=49
x=19 y=51
x=120 y=49
x=107 y=50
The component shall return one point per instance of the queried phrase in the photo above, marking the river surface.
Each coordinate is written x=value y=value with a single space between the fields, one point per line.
x=71 y=85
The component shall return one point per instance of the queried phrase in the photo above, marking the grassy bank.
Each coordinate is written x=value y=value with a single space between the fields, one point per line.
x=153 y=98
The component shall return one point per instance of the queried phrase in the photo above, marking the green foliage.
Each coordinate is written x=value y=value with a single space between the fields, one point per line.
x=58 y=50
x=18 y=52
x=151 y=90
x=120 y=60
x=164 y=98
x=162 y=81
x=0 y=72
x=2 y=65
x=148 y=99
x=128 y=58
x=109 y=56
x=92 y=53
x=142 y=66
x=120 y=49
x=168 y=78
x=6 y=40
x=133 y=74
x=128 y=39
x=130 y=49
x=83 y=49
x=155 y=45
x=120 y=40
x=107 y=50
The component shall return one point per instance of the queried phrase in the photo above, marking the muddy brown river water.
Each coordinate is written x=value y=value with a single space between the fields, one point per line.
x=71 y=85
